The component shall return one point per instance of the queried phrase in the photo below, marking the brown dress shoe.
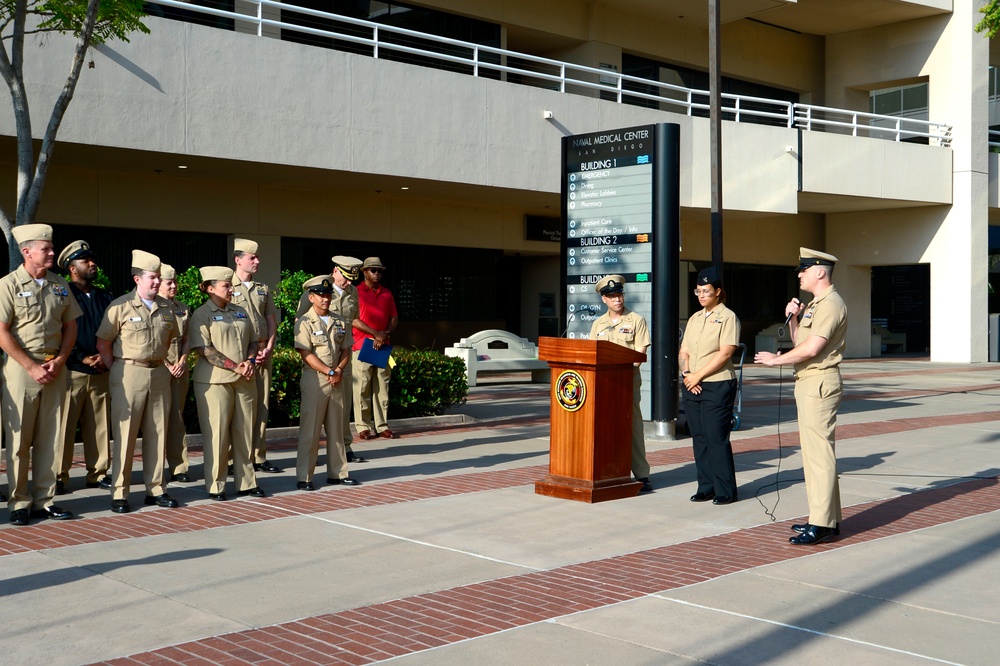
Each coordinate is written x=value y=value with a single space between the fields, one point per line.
x=387 y=434
x=365 y=434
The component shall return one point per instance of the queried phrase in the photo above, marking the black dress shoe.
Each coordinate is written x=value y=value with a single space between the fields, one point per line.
x=266 y=466
x=252 y=492
x=218 y=497
x=353 y=457
x=305 y=485
x=647 y=487
x=180 y=478
x=724 y=500
x=802 y=527
x=164 y=500
x=346 y=481
x=93 y=484
x=61 y=488
x=105 y=482
x=813 y=535
x=120 y=506
x=702 y=497
x=19 y=517
x=53 y=512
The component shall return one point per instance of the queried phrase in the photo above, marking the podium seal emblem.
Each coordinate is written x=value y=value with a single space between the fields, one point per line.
x=571 y=391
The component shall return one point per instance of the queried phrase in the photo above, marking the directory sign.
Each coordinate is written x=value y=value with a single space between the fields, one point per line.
x=608 y=217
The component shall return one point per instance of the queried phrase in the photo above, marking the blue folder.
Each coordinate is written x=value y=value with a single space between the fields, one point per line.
x=377 y=357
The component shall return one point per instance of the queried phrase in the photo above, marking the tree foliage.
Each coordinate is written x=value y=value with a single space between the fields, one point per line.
x=89 y=22
x=991 y=18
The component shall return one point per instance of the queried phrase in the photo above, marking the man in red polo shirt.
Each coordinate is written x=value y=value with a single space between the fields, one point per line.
x=376 y=320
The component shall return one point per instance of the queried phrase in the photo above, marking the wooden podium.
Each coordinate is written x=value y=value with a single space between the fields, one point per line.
x=590 y=448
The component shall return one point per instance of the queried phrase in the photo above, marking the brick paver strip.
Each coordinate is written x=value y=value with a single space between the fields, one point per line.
x=372 y=633
x=52 y=534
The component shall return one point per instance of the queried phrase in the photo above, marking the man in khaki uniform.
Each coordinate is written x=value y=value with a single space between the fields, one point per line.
x=133 y=341
x=256 y=298
x=343 y=303
x=180 y=379
x=323 y=341
x=89 y=399
x=819 y=331
x=624 y=327
x=37 y=332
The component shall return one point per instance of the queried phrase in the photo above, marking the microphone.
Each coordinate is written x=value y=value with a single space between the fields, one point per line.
x=788 y=320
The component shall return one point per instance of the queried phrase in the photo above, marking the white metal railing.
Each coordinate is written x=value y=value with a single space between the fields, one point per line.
x=994 y=141
x=479 y=60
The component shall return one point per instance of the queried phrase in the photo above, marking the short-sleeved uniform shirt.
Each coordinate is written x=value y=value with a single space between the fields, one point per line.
x=343 y=302
x=137 y=332
x=375 y=307
x=629 y=331
x=181 y=313
x=325 y=339
x=36 y=312
x=825 y=316
x=706 y=333
x=258 y=302
x=227 y=330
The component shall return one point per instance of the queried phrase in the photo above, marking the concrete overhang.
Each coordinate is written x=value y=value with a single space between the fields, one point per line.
x=813 y=202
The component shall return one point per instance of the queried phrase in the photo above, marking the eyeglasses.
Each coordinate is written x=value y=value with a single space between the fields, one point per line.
x=705 y=292
x=374 y=270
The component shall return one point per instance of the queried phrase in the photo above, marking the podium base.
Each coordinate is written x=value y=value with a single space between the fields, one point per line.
x=579 y=490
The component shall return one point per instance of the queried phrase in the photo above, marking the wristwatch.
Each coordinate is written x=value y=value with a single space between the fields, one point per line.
x=332 y=372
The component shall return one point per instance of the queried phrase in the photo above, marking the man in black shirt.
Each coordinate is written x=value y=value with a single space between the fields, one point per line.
x=88 y=378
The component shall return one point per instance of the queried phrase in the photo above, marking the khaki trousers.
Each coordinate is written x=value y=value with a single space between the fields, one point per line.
x=322 y=407
x=371 y=396
x=34 y=422
x=262 y=375
x=89 y=405
x=225 y=412
x=177 y=454
x=817 y=399
x=640 y=467
x=140 y=399
x=346 y=388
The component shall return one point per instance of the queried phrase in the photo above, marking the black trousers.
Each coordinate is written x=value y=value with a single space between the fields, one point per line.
x=710 y=420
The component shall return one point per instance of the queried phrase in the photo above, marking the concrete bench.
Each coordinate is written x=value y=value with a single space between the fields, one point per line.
x=768 y=340
x=493 y=351
x=893 y=342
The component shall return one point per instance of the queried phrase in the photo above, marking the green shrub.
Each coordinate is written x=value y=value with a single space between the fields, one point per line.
x=285 y=396
x=187 y=288
x=286 y=297
x=425 y=383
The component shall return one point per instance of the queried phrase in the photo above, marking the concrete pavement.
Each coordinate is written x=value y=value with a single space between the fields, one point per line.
x=446 y=555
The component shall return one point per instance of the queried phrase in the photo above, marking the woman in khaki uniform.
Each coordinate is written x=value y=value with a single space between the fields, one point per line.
x=224 y=386
x=323 y=341
x=710 y=340
x=180 y=378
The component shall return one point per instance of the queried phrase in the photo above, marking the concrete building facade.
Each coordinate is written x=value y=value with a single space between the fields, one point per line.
x=324 y=143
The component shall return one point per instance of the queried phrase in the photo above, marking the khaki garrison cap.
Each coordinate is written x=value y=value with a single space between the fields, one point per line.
x=75 y=250
x=167 y=272
x=610 y=284
x=145 y=261
x=349 y=266
x=213 y=273
x=245 y=245
x=809 y=258
x=318 y=285
x=32 y=232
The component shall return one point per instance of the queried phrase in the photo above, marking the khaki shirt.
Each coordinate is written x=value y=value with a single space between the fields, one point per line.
x=36 y=313
x=181 y=313
x=325 y=340
x=258 y=302
x=706 y=333
x=227 y=330
x=344 y=304
x=629 y=331
x=137 y=333
x=825 y=316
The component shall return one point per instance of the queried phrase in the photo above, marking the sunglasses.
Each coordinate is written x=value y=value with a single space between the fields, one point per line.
x=373 y=270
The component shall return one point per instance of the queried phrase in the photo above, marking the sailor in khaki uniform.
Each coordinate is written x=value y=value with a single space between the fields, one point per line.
x=180 y=378
x=133 y=340
x=224 y=385
x=819 y=330
x=258 y=302
x=37 y=332
x=624 y=327
x=323 y=340
x=344 y=303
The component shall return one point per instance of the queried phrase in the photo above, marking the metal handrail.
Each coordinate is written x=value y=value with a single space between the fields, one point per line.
x=569 y=77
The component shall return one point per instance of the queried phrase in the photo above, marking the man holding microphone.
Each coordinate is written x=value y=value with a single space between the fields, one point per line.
x=819 y=330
